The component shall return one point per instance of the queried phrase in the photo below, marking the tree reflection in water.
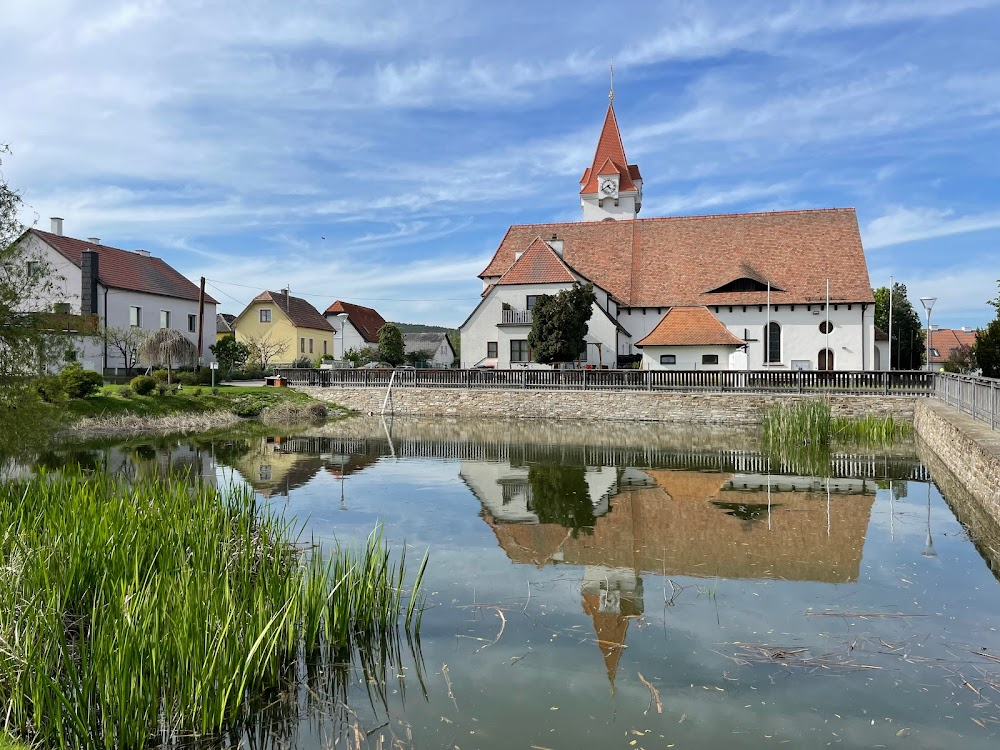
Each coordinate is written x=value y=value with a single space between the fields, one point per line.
x=560 y=495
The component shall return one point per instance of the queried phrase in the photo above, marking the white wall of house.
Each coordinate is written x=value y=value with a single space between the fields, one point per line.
x=851 y=340
x=114 y=308
x=346 y=337
x=443 y=356
x=687 y=357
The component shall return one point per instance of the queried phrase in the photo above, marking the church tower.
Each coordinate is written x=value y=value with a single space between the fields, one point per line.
x=610 y=188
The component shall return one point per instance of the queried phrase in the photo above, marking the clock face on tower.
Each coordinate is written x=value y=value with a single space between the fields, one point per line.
x=608 y=187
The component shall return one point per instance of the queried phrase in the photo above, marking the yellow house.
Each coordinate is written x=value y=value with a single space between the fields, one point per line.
x=280 y=329
x=224 y=326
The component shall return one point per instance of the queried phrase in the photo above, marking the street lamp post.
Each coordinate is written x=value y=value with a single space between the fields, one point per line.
x=928 y=303
x=343 y=347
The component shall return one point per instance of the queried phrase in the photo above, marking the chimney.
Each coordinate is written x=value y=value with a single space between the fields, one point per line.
x=89 y=272
x=56 y=225
x=143 y=253
x=556 y=244
x=94 y=240
x=966 y=329
x=935 y=327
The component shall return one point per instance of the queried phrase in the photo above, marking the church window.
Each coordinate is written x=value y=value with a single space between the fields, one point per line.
x=825 y=327
x=825 y=360
x=772 y=343
x=710 y=359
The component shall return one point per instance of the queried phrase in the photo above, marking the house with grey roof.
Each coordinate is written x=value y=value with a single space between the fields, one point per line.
x=441 y=354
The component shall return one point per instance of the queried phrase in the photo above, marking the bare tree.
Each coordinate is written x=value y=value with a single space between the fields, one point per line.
x=128 y=341
x=170 y=347
x=263 y=349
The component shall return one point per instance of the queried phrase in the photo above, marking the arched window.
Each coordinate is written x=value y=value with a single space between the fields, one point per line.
x=825 y=359
x=772 y=343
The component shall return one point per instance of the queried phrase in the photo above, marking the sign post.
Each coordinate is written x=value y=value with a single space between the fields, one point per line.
x=214 y=366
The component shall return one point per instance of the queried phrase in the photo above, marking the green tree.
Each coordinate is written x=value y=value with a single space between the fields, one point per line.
x=907 y=347
x=418 y=356
x=390 y=345
x=230 y=353
x=26 y=294
x=559 y=324
x=360 y=356
x=169 y=347
x=962 y=359
x=987 y=348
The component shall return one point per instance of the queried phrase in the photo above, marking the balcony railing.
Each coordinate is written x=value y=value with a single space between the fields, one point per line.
x=515 y=317
x=907 y=383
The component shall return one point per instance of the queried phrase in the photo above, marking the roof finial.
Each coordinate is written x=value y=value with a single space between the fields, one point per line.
x=611 y=93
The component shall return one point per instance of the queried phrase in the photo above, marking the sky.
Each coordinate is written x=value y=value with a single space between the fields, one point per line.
x=376 y=152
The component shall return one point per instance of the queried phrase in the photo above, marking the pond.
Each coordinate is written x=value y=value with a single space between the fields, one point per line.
x=646 y=586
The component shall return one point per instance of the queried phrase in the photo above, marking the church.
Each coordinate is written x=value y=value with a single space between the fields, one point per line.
x=785 y=290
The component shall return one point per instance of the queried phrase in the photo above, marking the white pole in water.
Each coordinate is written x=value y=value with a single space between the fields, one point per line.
x=891 y=295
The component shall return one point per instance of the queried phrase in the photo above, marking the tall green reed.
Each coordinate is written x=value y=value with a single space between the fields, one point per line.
x=150 y=611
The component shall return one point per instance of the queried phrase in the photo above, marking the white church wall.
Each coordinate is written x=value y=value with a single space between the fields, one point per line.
x=686 y=357
x=594 y=211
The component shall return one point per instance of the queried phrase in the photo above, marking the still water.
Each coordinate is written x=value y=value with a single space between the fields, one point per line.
x=641 y=587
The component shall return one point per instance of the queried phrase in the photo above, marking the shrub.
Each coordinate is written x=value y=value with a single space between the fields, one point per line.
x=50 y=388
x=196 y=392
x=215 y=391
x=318 y=410
x=143 y=384
x=160 y=376
x=185 y=378
x=303 y=361
x=79 y=383
x=161 y=388
x=248 y=406
x=126 y=392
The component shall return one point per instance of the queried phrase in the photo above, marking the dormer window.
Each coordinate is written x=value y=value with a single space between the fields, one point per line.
x=744 y=284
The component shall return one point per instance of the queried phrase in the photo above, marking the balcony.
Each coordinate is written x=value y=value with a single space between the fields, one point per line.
x=515 y=317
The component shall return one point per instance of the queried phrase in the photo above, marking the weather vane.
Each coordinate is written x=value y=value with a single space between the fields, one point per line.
x=611 y=93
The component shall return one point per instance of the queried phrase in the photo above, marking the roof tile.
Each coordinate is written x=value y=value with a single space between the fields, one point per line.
x=125 y=269
x=366 y=320
x=539 y=264
x=300 y=312
x=690 y=326
x=676 y=261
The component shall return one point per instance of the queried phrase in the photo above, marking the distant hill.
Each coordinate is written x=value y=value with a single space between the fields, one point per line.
x=421 y=328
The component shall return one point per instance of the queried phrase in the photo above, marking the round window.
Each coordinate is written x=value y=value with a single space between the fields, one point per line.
x=825 y=327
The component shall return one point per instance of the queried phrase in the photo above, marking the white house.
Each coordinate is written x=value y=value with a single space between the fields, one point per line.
x=799 y=276
x=442 y=354
x=355 y=327
x=123 y=288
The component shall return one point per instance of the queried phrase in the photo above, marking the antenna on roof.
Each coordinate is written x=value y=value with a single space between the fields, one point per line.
x=611 y=93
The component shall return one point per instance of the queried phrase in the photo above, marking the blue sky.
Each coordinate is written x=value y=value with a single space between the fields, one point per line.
x=376 y=152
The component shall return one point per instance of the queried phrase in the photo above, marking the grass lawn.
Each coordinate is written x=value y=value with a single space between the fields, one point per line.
x=107 y=402
x=9 y=743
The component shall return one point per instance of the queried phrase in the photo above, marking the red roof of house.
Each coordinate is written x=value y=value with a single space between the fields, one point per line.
x=124 y=269
x=946 y=340
x=366 y=320
x=609 y=158
x=678 y=261
x=539 y=264
x=690 y=326
x=299 y=312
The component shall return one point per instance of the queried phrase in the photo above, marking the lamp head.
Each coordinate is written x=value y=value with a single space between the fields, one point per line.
x=928 y=303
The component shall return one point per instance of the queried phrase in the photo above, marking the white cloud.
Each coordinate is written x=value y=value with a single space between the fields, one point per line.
x=910 y=224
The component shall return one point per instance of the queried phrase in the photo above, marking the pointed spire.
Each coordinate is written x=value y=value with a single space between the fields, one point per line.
x=611 y=93
x=609 y=146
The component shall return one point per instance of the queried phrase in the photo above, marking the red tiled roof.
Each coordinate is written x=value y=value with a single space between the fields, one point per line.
x=946 y=340
x=299 y=312
x=690 y=326
x=366 y=320
x=881 y=335
x=539 y=264
x=674 y=262
x=610 y=149
x=124 y=269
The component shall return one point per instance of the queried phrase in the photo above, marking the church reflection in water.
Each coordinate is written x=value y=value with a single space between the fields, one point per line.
x=617 y=524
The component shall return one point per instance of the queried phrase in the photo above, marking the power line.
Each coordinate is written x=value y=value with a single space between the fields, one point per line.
x=326 y=295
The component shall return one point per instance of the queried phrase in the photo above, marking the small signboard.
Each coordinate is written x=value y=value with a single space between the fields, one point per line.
x=214 y=365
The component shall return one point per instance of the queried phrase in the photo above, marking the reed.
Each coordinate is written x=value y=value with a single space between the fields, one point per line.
x=143 y=612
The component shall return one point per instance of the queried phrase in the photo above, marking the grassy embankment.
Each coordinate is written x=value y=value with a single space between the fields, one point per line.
x=151 y=612
x=107 y=402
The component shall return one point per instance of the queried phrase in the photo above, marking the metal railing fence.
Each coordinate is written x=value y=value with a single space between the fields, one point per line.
x=903 y=383
x=978 y=397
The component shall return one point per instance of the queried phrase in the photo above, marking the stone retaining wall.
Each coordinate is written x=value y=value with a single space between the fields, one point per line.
x=969 y=449
x=690 y=408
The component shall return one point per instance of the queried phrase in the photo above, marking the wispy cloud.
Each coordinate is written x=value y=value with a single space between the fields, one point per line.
x=901 y=225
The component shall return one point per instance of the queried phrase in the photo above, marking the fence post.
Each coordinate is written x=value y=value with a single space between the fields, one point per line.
x=993 y=405
x=798 y=379
x=584 y=378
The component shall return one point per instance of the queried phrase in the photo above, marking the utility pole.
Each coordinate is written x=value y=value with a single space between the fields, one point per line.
x=201 y=322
